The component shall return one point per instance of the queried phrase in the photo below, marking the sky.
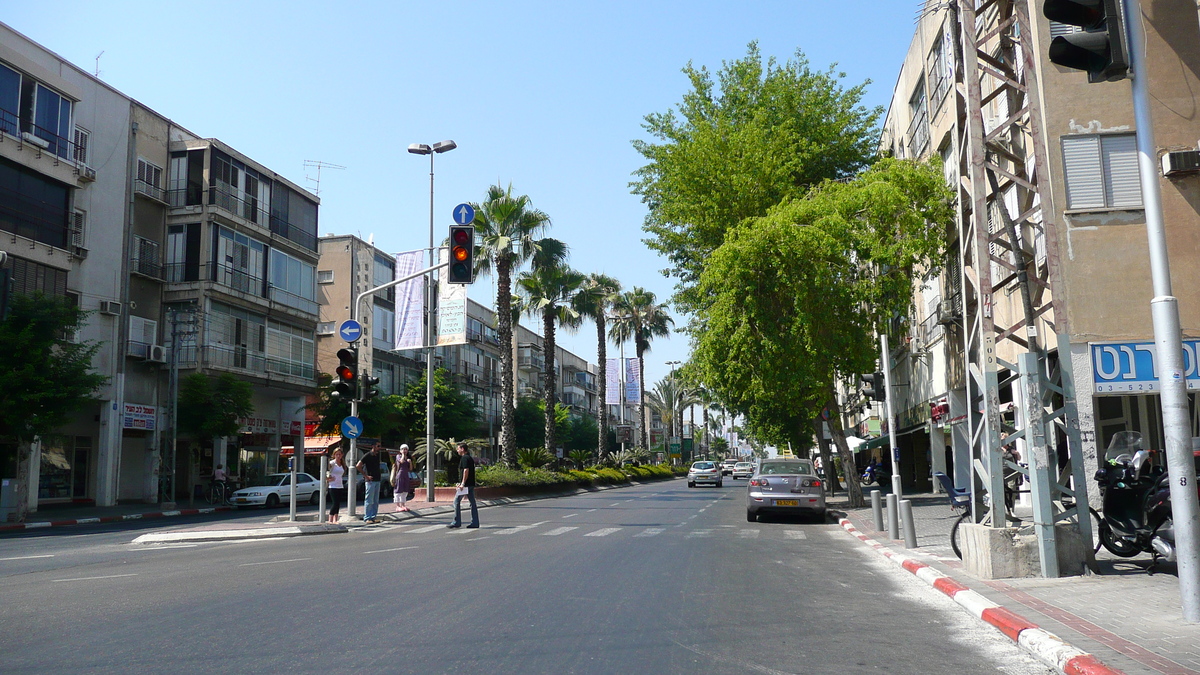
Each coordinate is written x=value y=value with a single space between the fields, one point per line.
x=543 y=95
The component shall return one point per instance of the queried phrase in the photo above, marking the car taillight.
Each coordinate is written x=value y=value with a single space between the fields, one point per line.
x=758 y=481
x=811 y=482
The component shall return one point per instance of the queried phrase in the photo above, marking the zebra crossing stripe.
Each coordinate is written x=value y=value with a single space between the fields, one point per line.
x=795 y=534
x=427 y=528
x=748 y=534
x=699 y=533
x=519 y=528
x=603 y=532
x=558 y=530
x=649 y=532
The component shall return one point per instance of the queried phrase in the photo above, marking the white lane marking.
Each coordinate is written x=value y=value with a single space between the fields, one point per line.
x=28 y=557
x=590 y=510
x=603 y=532
x=570 y=515
x=389 y=550
x=748 y=534
x=164 y=548
x=427 y=528
x=273 y=562
x=615 y=504
x=795 y=534
x=699 y=533
x=111 y=576
x=649 y=532
x=558 y=530
x=693 y=516
x=519 y=528
x=486 y=536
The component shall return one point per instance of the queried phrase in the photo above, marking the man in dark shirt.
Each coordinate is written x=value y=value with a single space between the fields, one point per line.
x=369 y=467
x=466 y=464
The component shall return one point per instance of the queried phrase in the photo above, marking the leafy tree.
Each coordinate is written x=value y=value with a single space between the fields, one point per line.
x=49 y=376
x=529 y=422
x=797 y=295
x=580 y=433
x=595 y=300
x=735 y=146
x=455 y=413
x=639 y=317
x=209 y=407
x=507 y=225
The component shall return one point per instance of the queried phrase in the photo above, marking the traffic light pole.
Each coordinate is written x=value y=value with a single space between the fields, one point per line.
x=1168 y=339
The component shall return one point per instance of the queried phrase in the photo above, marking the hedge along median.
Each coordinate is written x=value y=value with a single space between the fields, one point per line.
x=500 y=481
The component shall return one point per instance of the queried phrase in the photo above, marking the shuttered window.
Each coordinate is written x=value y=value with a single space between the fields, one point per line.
x=1101 y=172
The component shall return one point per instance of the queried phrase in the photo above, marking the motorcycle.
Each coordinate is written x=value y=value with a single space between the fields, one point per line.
x=1136 y=500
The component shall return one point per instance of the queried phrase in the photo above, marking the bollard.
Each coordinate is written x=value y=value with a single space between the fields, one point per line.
x=910 y=528
x=877 y=509
x=893 y=516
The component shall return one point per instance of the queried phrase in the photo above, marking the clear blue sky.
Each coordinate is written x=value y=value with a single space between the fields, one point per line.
x=544 y=95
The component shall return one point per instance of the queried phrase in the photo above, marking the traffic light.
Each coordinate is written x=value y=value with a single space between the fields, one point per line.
x=370 y=388
x=346 y=387
x=462 y=254
x=1100 y=48
x=874 y=387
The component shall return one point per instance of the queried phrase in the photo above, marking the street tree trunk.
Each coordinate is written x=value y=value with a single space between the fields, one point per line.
x=831 y=479
x=550 y=396
x=508 y=397
x=853 y=487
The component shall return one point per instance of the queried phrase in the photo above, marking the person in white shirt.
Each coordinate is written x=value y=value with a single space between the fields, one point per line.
x=337 y=488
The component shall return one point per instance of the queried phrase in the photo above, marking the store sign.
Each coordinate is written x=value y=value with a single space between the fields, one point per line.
x=139 y=417
x=1119 y=367
x=257 y=425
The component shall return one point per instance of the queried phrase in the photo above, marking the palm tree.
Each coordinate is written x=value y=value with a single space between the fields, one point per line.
x=640 y=318
x=669 y=399
x=507 y=226
x=595 y=299
x=547 y=289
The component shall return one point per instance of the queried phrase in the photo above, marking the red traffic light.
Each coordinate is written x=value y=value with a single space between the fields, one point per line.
x=345 y=373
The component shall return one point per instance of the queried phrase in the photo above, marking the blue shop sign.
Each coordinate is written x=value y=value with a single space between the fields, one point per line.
x=1122 y=367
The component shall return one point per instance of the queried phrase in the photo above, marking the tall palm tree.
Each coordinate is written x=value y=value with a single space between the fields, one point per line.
x=594 y=300
x=639 y=317
x=507 y=226
x=669 y=398
x=546 y=290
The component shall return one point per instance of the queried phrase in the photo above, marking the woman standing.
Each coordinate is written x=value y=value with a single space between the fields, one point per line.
x=337 y=488
x=401 y=483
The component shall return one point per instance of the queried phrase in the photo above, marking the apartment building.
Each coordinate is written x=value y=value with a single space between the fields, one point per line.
x=1064 y=154
x=158 y=233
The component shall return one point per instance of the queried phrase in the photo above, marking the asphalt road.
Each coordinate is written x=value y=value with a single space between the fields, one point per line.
x=656 y=578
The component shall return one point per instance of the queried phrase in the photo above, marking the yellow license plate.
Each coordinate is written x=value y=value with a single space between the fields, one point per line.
x=786 y=502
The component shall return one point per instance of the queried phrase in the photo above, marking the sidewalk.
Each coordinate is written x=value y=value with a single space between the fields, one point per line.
x=1126 y=619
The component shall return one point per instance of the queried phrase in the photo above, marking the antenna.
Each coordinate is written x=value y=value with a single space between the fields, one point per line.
x=308 y=163
x=97 y=73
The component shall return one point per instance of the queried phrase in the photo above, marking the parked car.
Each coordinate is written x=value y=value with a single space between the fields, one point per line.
x=727 y=467
x=385 y=487
x=276 y=488
x=785 y=486
x=704 y=472
x=743 y=470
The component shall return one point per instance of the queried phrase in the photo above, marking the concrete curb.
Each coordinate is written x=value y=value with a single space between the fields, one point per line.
x=111 y=519
x=228 y=535
x=1046 y=646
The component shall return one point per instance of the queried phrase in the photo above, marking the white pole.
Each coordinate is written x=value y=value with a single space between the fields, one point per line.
x=885 y=363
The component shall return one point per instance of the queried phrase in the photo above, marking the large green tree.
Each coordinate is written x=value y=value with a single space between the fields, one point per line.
x=507 y=226
x=49 y=376
x=799 y=294
x=739 y=143
x=210 y=406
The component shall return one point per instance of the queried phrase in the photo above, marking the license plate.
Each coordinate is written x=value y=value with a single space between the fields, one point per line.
x=241 y=500
x=786 y=502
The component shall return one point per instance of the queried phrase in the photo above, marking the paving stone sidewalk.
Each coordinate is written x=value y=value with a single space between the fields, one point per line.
x=1129 y=619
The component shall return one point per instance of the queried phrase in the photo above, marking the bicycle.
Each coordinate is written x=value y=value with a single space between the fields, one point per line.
x=1009 y=495
x=217 y=493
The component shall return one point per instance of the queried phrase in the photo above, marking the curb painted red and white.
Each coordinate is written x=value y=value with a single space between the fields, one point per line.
x=110 y=519
x=1043 y=644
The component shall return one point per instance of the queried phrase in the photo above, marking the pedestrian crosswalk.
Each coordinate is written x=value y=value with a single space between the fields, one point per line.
x=720 y=532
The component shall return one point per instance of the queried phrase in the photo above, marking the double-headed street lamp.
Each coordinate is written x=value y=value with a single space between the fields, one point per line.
x=436 y=149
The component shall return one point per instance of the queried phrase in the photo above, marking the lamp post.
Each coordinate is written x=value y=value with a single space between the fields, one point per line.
x=674 y=398
x=436 y=149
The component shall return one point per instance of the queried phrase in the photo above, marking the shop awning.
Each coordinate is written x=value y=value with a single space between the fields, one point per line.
x=313 y=446
x=877 y=442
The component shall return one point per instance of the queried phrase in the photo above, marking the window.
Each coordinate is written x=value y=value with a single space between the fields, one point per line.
x=940 y=69
x=145 y=257
x=10 y=97
x=325 y=328
x=78 y=222
x=33 y=206
x=292 y=282
x=1101 y=171
x=142 y=333
x=385 y=271
x=186 y=186
x=240 y=262
x=324 y=276
x=52 y=120
x=81 y=145
x=918 y=128
x=235 y=338
x=290 y=350
x=387 y=378
x=381 y=328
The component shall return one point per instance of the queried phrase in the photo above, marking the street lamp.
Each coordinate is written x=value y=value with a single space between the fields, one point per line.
x=436 y=149
x=675 y=397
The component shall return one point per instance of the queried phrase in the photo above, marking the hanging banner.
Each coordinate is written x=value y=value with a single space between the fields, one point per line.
x=612 y=382
x=451 y=310
x=633 y=381
x=410 y=302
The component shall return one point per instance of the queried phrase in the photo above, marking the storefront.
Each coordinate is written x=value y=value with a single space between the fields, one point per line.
x=257 y=447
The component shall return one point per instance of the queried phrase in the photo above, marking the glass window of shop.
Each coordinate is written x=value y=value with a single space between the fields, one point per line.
x=64 y=467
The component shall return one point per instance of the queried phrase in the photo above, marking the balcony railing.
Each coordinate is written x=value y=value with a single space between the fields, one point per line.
x=151 y=191
x=290 y=232
x=243 y=208
x=190 y=196
x=918 y=134
x=292 y=300
x=147 y=267
x=531 y=362
x=244 y=360
x=23 y=129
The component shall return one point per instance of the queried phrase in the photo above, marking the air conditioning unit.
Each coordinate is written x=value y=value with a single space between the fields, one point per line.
x=79 y=251
x=110 y=307
x=86 y=173
x=1185 y=161
x=40 y=142
x=156 y=354
x=475 y=379
x=945 y=314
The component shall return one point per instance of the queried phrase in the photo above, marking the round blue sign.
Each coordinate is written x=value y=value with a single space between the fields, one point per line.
x=464 y=214
x=350 y=330
x=352 y=427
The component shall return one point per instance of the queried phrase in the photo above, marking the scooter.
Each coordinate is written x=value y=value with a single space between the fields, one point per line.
x=1136 y=499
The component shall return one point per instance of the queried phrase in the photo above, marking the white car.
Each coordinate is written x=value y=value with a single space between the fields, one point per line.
x=704 y=473
x=743 y=470
x=276 y=488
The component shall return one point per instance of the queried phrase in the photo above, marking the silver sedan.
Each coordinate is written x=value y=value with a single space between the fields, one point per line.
x=785 y=486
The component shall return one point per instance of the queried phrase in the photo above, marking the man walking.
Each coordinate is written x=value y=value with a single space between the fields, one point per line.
x=369 y=467
x=466 y=464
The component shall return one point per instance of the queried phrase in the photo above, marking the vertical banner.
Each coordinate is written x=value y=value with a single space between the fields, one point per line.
x=452 y=309
x=612 y=382
x=410 y=302
x=633 y=381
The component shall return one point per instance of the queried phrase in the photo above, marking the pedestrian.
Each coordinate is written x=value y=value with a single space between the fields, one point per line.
x=337 y=488
x=466 y=487
x=401 y=482
x=369 y=467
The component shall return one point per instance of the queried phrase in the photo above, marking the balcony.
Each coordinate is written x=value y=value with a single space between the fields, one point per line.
x=533 y=362
x=247 y=209
x=918 y=134
x=154 y=192
x=148 y=267
x=244 y=361
x=292 y=300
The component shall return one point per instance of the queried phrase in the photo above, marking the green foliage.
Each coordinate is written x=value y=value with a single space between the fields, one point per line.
x=210 y=406
x=541 y=478
x=529 y=422
x=533 y=458
x=757 y=135
x=453 y=411
x=580 y=458
x=447 y=449
x=579 y=435
x=49 y=377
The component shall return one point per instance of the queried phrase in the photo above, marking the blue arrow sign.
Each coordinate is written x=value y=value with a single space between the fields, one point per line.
x=350 y=330
x=352 y=427
x=464 y=214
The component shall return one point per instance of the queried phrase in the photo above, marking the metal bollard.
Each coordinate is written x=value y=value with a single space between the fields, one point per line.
x=877 y=509
x=910 y=528
x=893 y=516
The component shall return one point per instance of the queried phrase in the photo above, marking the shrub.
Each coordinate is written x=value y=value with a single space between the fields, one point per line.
x=533 y=458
